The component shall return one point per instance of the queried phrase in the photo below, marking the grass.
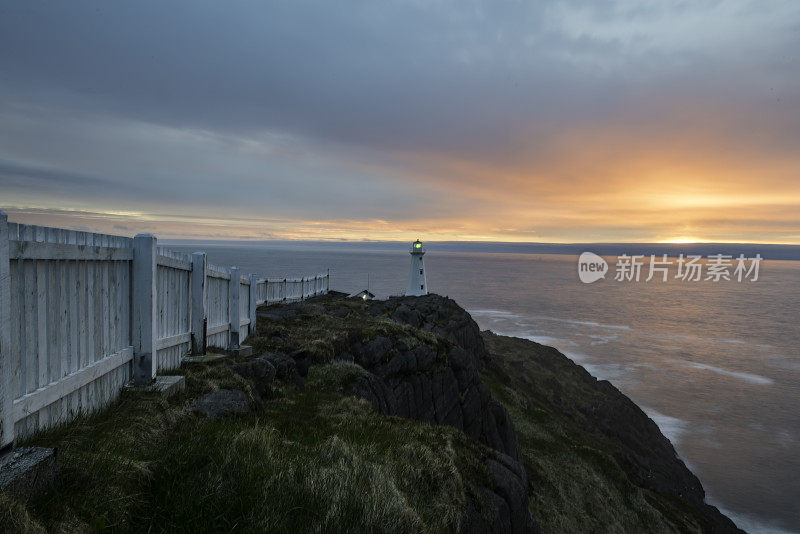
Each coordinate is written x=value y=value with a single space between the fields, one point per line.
x=312 y=460
x=325 y=336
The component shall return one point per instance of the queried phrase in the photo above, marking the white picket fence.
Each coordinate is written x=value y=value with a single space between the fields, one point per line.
x=82 y=314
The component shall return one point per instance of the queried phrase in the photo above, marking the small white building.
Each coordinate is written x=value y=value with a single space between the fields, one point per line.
x=416 y=276
x=364 y=294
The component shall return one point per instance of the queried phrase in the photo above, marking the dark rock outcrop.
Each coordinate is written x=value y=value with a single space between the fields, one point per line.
x=220 y=403
x=437 y=314
x=423 y=382
x=288 y=367
x=27 y=472
x=258 y=370
x=505 y=500
x=418 y=383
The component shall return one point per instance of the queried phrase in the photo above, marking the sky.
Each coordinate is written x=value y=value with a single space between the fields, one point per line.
x=569 y=121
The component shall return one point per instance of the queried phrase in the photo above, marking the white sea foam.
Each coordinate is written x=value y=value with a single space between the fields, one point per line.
x=575 y=356
x=602 y=340
x=730 y=341
x=542 y=339
x=672 y=427
x=502 y=314
x=584 y=323
x=751 y=524
x=548 y=340
x=606 y=371
x=494 y=314
x=748 y=377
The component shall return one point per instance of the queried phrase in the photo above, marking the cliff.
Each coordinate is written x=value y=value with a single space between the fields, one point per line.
x=591 y=458
x=384 y=416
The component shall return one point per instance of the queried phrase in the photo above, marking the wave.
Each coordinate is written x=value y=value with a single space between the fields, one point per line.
x=748 y=377
x=602 y=340
x=550 y=341
x=502 y=314
x=497 y=314
x=606 y=371
x=751 y=524
x=583 y=323
x=730 y=341
x=575 y=356
x=672 y=427
x=494 y=313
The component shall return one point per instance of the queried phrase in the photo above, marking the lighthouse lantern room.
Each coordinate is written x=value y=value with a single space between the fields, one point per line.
x=416 y=276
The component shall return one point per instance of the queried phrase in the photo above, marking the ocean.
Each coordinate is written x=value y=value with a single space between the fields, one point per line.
x=715 y=364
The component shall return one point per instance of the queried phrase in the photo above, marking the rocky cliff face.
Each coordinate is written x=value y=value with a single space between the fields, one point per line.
x=415 y=382
x=439 y=315
x=425 y=358
x=596 y=412
x=434 y=378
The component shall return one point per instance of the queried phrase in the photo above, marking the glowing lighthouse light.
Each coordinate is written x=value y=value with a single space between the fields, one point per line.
x=416 y=276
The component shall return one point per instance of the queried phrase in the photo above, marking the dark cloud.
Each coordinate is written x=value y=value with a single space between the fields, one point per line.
x=317 y=109
x=20 y=175
x=398 y=75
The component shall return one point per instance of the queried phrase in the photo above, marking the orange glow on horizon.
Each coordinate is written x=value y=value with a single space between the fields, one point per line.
x=589 y=186
x=258 y=229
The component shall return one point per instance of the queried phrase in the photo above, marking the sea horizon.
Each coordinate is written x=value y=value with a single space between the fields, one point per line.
x=767 y=251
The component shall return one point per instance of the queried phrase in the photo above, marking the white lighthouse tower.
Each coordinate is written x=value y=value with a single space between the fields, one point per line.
x=416 y=276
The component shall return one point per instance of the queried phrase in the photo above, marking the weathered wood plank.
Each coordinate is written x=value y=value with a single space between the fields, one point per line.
x=173 y=263
x=234 y=288
x=215 y=273
x=198 y=291
x=144 y=308
x=171 y=341
x=17 y=314
x=28 y=250
x=50 y=393
x=252 y=303
x=6 y=354
x=217 y=329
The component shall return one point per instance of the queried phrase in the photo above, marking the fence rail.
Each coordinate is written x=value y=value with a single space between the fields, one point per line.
x=81 y=314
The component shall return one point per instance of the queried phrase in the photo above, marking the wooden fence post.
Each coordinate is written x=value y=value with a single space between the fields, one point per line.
x=233 y=308
x=6 y=396
x=198 y=287
x=144 y=309
x=253 y=299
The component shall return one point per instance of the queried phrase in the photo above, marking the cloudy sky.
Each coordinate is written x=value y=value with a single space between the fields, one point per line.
x=570 y=121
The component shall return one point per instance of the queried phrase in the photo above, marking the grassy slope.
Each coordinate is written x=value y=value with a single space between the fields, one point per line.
x=576 y=483
x=313 y=460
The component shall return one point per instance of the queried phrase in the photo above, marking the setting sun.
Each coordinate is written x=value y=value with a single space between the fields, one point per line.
x=683 y=240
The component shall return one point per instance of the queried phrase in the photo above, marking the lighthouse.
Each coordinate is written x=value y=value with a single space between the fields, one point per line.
x=416 y=276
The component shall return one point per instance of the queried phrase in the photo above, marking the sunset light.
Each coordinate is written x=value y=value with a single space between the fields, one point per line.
x=683 y=239
x=400 y=266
